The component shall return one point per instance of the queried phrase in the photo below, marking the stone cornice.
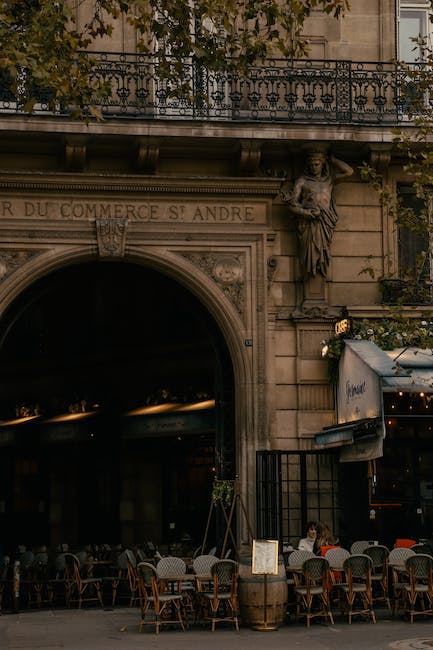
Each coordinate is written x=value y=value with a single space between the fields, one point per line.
x=29 y=182
x=191 y=130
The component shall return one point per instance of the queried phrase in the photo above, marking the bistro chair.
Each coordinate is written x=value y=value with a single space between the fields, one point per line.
x=41 y=588
x=26 y=567
x=116 y=584
x=202 y=564
x=336 y=557
x=379 y=576
x=399 y=576
x=172 y=569
x=359 y=546
x=59 y=579
x=222 y=598
x=357 y=593
x=202 y=567
x=314 y=590
x=156 y=599
x=131 y=574
x=81 y=588
x=294 y=573
x=419 y=589
x=297 y=558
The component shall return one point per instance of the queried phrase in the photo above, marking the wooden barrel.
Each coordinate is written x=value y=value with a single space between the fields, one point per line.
x=251 y=594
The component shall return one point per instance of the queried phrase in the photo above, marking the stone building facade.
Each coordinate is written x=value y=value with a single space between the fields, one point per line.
x=195 y=199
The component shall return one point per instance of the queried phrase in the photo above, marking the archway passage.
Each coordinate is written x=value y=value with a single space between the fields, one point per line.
x=116 y=401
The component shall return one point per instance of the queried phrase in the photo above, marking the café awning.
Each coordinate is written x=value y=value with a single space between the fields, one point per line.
x=365 y=372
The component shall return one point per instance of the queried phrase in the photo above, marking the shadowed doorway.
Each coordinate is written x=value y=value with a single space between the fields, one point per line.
x=116 y=401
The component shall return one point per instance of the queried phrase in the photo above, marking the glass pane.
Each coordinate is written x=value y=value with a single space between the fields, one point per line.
x=412 y=25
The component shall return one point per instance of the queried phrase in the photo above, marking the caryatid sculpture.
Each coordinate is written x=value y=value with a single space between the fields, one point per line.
x=311 y=202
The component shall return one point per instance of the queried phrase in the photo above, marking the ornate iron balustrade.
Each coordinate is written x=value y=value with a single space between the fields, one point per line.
x=303 y=91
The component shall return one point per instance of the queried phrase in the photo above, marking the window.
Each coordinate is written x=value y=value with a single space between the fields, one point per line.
x=293 y=487
x=413 y=24
x=414 y=249
x=414 y=241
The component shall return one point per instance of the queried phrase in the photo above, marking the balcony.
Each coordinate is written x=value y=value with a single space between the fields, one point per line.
x=285 y=92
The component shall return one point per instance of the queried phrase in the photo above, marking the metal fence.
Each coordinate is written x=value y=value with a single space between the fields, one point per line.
x=293 y=487
x=283 y=91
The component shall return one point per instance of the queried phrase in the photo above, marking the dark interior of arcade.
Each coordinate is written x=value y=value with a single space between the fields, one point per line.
x=116 y=408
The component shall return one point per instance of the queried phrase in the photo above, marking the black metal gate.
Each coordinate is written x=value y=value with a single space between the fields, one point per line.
x=292 y=488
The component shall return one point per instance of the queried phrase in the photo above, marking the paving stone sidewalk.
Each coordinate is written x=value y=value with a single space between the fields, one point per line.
x=95 y=629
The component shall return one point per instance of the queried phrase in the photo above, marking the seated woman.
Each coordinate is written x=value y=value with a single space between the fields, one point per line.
x=307 y=543
x=324 y=539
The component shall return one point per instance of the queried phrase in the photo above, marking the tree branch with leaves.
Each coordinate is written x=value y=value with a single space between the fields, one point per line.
x=44 y=47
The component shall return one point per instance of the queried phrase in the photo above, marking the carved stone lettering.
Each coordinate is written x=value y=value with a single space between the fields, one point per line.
x=72 y=209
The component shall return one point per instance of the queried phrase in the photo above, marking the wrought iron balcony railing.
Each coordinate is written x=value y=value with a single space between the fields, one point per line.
x=303 y=91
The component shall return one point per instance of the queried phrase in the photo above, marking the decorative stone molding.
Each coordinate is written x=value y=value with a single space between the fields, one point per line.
x=316 y=312
x=10 y=260
x=227 y=271
x=147 y=155
x=263 y=187
x=272 y=269
x=111 y=237
x=380 y=157
x=75 y=153
x=250 y=156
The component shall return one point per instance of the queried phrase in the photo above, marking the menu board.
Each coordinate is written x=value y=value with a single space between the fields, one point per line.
x=265 y=556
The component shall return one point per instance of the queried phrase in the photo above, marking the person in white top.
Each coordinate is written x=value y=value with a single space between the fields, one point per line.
x=307 y=543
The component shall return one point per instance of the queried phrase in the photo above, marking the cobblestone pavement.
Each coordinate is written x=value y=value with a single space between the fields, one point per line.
x=105 y=629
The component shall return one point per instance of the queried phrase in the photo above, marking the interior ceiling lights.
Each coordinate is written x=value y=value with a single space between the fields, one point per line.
x=78 y=411
x=173 y=407
x=69 y=417
x=28 y=418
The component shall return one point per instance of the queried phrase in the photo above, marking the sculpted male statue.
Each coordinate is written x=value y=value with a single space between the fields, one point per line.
x=312 y=204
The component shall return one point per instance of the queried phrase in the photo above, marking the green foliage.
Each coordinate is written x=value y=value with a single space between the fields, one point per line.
x=392 y=333
x=223 y=492
x=42 y=44
x=387 y=333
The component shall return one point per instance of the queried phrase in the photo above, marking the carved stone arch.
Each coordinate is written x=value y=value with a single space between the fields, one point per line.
x=225 y=315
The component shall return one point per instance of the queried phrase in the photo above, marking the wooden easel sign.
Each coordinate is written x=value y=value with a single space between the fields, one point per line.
x=265 y=562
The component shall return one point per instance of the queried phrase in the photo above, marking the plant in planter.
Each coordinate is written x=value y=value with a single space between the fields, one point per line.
x=223 y=492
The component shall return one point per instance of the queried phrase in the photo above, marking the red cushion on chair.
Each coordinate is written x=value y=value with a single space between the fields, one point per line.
x=323 y=549
x=404 y=543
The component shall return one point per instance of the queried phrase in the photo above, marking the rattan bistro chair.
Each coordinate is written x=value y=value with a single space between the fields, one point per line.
x=81 y=588
x=157 y=600
x=359 y=546
x=356 y=589
x=379 y=576
x=419 y=589
x=222 y=598
x=399 y=576
x=313 y=595
x=336 y=557
x=294 y=574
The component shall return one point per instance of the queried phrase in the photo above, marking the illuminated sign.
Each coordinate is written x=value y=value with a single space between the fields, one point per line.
x=343 y=326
